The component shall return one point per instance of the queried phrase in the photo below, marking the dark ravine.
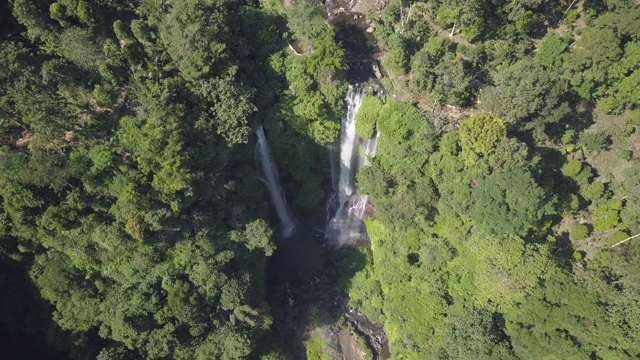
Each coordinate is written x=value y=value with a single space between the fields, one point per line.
x=303 y=273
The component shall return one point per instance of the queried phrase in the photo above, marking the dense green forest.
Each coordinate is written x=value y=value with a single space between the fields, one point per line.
x=133 y=224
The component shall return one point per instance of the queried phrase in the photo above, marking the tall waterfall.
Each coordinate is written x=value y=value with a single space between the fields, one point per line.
x=347 y=223
x=271 y=180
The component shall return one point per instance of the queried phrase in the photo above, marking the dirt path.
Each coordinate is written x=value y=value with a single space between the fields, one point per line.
x=350 y=347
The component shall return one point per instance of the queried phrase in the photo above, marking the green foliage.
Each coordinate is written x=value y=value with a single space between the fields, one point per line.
x=617 y=237
x=438 y=73
x=571 y=17
x=314 y=348
x=136 y=216
x=633 y=117
x=607 y=216
x=572 y=168
x=78 y=45
x=577 y=256
x=510 y=203
x=609 y=105
x=587 y=61
x=311 y=195
x=397 y=58
x=579 y=232
x=314 y=100
x=533 y=95
x=626 y=155
x=307 y=24
x=593 y=141
x=367 y=116
x=509 y=154
x=355 y=268
x=257 y=235
x=551 y=50
x=479 y=136
x=527 y=21
x=593 y=192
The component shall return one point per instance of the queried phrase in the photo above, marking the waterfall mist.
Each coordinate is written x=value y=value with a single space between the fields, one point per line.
x=271 y=179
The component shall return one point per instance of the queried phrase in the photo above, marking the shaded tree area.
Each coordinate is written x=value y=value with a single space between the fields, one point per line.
x=129 y=198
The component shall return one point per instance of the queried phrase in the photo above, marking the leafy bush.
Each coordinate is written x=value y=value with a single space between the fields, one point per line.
x=527 y=21
x=577 y=256
x=609 y=105
x=479 y=136
x=617 y=237
x=594 y=141
x=367 y=116
x=625 y=154
x=570 y=17
x=572 y=205
x=397 y=58
x=607 y=216
x=579 y=232
x=633 y=117
x=314 y=348
x=568 y=136
x=593 y=191
x=550 y=51
x=572 y=168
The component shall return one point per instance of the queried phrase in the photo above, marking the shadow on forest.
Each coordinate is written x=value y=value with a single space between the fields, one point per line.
x=8 y=24
x=26 y=328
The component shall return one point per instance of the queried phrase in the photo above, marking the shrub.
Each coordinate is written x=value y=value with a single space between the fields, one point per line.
x=625 y=154
x=577 y=256
x=367 y=116
x=594 y=141
x=579 y=232
x=607 y=216
x=527 y=21
x=571 y=205
x=397 y=58
x=593 y=191
x=633 y=117
x=617 y=237
x=568 y=136
x=572 y=168
x=584 y=176
x=570 y=17
x=609 y=105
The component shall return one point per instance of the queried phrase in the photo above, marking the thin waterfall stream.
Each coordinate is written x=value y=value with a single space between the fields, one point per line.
x=271 y=180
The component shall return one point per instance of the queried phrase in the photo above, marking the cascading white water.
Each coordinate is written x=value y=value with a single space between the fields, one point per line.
x=348 y=221
x=271 y=180
x=348 y=146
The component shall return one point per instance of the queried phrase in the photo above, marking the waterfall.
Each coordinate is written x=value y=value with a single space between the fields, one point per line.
x=347 y=223
x=348 y=146
x=271 y=180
